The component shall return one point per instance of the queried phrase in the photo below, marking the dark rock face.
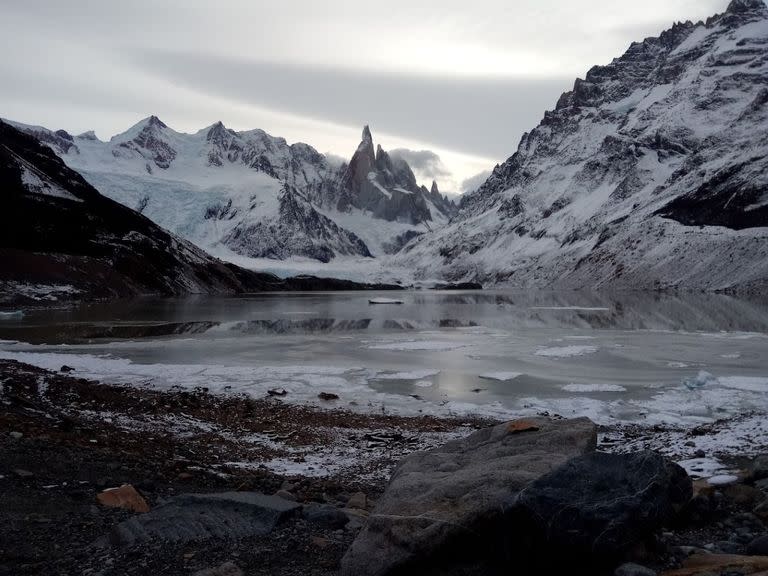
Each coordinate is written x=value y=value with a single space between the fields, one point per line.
x=300 y=230
x=151 y=144
x=386 y=186
x=444 y=511
x=597 y=507
x=731 y=198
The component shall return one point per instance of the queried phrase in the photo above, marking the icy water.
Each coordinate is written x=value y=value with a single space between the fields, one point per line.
x=613 y=358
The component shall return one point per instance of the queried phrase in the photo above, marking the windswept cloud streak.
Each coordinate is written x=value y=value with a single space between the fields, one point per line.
x=425 y=164
x=463 y=80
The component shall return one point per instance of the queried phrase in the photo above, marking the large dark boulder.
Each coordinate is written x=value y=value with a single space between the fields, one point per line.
x=600 y=507
x=524 y=497
x=445 y=510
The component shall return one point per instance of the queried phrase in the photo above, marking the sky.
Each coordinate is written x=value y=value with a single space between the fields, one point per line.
x=452 y=85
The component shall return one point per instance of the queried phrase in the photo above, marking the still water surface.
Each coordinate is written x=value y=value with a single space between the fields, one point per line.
x=606 y=356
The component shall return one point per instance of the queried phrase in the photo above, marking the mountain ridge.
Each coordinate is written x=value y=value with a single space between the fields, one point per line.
x=651 y=173
x=253 y=193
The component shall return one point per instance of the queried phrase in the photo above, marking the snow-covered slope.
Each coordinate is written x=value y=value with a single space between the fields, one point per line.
x=248 y=193
x=651 y=173
x=61 y=234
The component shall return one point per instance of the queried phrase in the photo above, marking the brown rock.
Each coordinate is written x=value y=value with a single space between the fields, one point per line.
x=358 y=500
x=522 y=425
x=761 y=510
x=319 y=542
x=125 y=497
x=286 y=495
x=226 y=569
x=701 y=564
x=328 y=396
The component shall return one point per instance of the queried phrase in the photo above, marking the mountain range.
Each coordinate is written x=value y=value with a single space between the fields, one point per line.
x=61 y=239
x=254 y=194
x=650 y=174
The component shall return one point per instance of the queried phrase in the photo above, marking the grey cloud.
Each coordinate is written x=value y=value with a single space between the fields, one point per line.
x=474 y=182
x=425 y=163
x=481 y=116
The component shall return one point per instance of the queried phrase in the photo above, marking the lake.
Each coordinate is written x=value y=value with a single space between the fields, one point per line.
x=645 y=358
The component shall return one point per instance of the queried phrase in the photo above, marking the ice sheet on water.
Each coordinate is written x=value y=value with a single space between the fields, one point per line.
x=699 y=381
x=501 y=376
x=565 y=351
x=416 y=345
x=593 y=388
x=412 y=375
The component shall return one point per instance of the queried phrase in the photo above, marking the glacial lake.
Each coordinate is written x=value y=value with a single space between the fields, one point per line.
x=646 y=358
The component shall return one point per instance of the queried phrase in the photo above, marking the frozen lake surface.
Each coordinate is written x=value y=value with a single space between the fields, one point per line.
x=619 y=358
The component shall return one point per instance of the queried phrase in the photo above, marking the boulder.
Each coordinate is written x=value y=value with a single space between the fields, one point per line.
x=709 y=564
x=759 y=468
x=196 y=517
x=226 y=569
x=445 y=510
x=758 y=546
x=598 y=507
x=630 y=569
x=357 y=500
x=125 y=497
x=325 y=515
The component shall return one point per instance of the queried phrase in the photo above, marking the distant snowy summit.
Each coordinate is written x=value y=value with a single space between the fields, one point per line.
x=652 y=173
x=254 y=194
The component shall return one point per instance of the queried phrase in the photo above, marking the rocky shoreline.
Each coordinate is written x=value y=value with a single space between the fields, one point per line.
x=65 y=440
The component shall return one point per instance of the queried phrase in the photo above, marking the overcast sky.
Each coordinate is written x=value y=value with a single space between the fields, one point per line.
x=460 y=80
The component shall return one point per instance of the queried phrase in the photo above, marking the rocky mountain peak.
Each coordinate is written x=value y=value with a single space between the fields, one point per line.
x=434 y=189
x=367 y=135
x=740 y=6
x=216 y=132
x=155 y=122
x=89 y=135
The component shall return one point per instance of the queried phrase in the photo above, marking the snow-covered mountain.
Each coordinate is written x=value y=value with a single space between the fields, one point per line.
x=60 y=238
x=651 y=173
x=254 y=193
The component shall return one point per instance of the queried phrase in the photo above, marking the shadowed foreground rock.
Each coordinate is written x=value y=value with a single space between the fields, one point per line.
x=596 y=508
x=528 y=496
x=194 y=517
x=444 y=510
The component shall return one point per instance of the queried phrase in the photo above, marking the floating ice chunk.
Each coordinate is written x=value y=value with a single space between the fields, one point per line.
x=11 y=314
x=566 y=351
x=699 y=381
x=593 y=388
x=423 y=383
x=384 y=301
x=414 y=375
x=573 y=308
x=413 y=345
x=677 y=364
x=722 y=480
x=501 y=376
